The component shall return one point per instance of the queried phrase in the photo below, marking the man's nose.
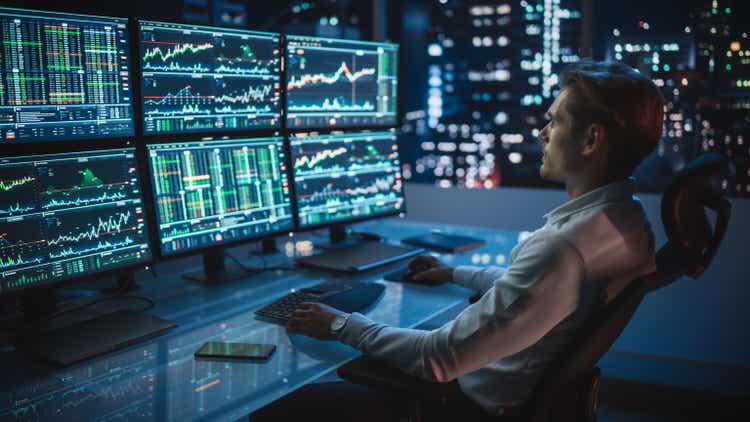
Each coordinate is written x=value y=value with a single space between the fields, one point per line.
x=544 y=133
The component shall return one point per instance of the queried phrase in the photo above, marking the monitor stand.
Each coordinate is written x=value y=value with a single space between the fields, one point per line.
x=217 y=269
x=125 y=284
x=339 y=238
x=66 y=345
x=268 y=246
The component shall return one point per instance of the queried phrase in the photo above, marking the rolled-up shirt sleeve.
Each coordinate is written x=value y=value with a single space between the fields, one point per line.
x=537 y=291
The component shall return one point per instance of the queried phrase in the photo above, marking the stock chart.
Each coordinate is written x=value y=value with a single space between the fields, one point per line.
x=338 y=83
x=199 y=79
x=343 y=176
x=68 y=215
x=63 y=77
x=209 y=193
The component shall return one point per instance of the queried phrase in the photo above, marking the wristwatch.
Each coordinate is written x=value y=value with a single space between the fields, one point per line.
x=338 y=324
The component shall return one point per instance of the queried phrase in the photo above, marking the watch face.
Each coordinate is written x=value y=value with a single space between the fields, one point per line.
x=338 y=323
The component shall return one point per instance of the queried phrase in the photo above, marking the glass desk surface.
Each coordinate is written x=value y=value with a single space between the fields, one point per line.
x=160 y=380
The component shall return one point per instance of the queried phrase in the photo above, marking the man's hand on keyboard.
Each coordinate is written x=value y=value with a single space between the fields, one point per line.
x=314 y=320
x=426 y=269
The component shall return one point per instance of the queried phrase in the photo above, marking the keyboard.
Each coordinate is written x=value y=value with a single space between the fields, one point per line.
x=282 y=309
x=347 y=297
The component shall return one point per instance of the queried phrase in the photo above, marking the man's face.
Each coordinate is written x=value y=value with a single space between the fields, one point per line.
x=562 y=145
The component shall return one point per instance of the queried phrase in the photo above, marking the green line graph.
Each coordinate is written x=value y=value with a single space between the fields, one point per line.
x=177 y=51
x=8 y=185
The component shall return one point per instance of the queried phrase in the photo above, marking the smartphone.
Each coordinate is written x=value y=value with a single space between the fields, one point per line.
x=250 y=351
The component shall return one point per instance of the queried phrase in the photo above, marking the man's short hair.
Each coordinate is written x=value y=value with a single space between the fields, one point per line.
x=625 y=102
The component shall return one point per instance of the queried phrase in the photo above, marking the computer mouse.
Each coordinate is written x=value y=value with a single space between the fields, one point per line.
x=409 y=276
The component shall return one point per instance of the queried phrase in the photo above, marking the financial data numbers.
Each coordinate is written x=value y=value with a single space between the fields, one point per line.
x=346 y=176
x=69 y=215
x=63 y=77
x=338 y=83
x=199 y=79
x=216 y=192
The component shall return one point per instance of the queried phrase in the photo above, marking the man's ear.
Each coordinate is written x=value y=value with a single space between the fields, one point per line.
x=595 y=141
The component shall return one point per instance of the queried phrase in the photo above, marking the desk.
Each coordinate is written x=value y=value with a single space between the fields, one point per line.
x=160 y=380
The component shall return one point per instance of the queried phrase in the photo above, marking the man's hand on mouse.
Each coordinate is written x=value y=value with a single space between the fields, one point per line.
x=426 y=269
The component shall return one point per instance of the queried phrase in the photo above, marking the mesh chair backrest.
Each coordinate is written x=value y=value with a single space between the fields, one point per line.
x=684 y=217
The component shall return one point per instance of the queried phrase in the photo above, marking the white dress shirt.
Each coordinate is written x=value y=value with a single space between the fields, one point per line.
x=588 y=250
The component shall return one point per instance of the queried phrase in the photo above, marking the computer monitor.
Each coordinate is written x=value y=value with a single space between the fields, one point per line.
x=343 y=177
x=69 y=215
x=203 y=79
x=340 y=83
x=211 y=194
x=63 y=77
x=65 y=217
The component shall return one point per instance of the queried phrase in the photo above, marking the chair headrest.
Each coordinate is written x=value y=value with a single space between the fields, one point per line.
x=683 y=215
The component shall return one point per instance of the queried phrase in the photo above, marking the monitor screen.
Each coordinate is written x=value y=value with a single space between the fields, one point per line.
x=201 y=79
x=215 y=192
x=346 y=176
x=63 y=77
x=339 y=83
x=69 y=215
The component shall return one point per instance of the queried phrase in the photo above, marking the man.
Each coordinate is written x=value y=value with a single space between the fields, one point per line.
x=605 y=120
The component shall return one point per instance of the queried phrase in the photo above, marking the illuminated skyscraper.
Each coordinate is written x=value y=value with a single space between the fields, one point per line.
x=723 y=51
x=492 y=73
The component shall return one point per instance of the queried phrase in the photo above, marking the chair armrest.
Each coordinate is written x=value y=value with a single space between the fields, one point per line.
x=377 y=374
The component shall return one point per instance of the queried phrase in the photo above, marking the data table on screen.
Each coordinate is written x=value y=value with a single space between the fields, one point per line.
x=63 y=77
x=214 y=192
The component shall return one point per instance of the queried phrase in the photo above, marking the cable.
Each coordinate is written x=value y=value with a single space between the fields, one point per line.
x=118 y=294
x=367 y=236
x=149 y=305
x=258 y=269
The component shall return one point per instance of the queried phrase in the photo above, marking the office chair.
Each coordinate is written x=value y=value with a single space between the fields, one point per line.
x=568 y=389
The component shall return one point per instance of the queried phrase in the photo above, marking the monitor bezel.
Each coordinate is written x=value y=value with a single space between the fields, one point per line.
x=181 y=136
x=156 y=235
x=347 y=221
x=95 y=276
x=335 y=128
x=21 y=148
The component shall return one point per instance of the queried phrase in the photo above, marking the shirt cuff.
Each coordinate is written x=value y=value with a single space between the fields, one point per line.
x=463 y=274
x=352 y=331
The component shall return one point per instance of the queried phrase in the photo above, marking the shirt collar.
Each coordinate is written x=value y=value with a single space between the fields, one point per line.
x=613 y=192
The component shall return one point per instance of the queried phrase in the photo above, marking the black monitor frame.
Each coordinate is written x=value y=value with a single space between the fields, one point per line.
x=336 y=228
x=137 y=63
x=210 y=252
x=383 y=126
x=119 y=272
x=88 y=143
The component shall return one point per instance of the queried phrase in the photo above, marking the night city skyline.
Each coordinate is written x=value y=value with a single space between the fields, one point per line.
x=484 y=95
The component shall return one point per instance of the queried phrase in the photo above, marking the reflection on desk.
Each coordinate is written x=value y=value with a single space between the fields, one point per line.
x=160 y=380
